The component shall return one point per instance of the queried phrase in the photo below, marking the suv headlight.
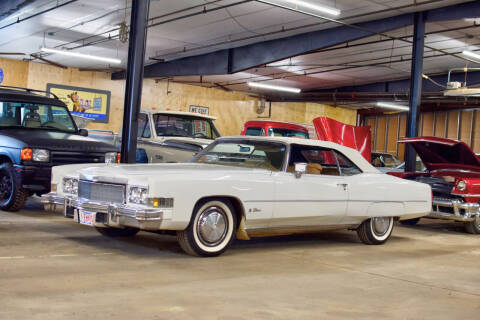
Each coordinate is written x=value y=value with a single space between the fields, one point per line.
x=138 y=195
x=112 y=157
x=39 y=155
x=70 y=185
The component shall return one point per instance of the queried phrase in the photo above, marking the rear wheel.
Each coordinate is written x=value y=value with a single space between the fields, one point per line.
x=410 y=222
x=211 y=229
x=473 y=227
x=375 y=230
x=115 y=232
x=12 y=195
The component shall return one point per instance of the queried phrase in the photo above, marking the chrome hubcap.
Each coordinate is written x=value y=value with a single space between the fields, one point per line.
x=212 y=226
x=380 y=225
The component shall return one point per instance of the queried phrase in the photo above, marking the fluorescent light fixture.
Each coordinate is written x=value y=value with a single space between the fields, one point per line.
x=329 y=10
x=81 y=55
x=392 y=106
x=271 y=87
x=471 y=54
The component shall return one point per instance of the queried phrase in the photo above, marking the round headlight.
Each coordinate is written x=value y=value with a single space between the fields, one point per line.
x=461 y=185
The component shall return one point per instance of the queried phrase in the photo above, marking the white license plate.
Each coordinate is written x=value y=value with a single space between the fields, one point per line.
x=85 y=217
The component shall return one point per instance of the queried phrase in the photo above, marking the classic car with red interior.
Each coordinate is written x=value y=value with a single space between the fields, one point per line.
x=453 y=172
x=274 y=129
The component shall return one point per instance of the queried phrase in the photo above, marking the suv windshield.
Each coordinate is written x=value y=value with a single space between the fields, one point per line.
x=244 y=153
x=281 y=132
x=173 y=125
x=35 y=116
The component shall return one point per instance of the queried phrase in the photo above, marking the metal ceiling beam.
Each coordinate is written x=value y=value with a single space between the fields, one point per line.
x=245 y=57
x=8 y=8
x=403 y=85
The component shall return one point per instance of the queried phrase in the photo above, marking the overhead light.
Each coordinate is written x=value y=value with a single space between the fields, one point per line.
x=272 y=87
x=329 y=10
x=81 y=55
x=471 y=54
x=392 y=106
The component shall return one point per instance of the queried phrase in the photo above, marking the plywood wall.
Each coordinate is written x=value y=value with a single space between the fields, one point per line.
x=458 y=125
x=232 y=109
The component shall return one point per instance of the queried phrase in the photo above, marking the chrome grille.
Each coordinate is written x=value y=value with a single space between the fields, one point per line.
x=104 y=192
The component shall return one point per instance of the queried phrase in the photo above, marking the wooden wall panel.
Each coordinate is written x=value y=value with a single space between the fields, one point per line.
x=15 y=72
x=380 y=138
x=313 y=110
x=440 y=124
x=392 y=134
x=403 y=130
x=371 y=122
x=452 y=131
x=476 y=132
x=427 y=124
x=465 y=126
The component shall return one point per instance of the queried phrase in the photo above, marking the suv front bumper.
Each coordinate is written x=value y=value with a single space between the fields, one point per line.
x=109 y=214
x=454 y=210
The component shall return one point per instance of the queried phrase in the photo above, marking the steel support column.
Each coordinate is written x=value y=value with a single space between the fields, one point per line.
x=415 y=87
x=134 y=82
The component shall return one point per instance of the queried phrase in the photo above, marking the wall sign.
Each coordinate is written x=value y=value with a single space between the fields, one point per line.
x=1 y=75
x=85 y=102
x=198 y=109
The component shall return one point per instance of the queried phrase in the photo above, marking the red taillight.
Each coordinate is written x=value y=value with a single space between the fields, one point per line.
x=119 y=155
x=26 y=154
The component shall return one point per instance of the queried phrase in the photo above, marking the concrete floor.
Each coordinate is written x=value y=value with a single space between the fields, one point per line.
x=52 y=268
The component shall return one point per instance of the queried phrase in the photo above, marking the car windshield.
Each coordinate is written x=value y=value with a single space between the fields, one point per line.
x=244 y=153
x=282 y=132
x=173 y=125
x=35 y=116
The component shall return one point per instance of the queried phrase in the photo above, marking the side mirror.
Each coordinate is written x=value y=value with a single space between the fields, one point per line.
x=300 y=168
x=83 y=132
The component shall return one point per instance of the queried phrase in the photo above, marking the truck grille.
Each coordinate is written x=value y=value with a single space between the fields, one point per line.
x=104 y=192
x=59 y=157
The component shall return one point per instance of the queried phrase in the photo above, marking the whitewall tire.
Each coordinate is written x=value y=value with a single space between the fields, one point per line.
x=375 y=230
x=211 y=229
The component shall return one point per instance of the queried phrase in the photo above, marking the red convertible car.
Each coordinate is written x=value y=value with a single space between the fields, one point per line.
x=453 y=172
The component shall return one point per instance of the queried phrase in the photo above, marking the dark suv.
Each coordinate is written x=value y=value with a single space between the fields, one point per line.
x=36 y=133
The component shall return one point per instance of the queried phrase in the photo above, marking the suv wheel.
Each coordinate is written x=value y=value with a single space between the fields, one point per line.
x=12 y=195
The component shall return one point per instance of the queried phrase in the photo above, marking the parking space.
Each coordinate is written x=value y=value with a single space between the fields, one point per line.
x=52 y=268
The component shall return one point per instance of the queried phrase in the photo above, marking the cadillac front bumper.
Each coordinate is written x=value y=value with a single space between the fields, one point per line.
x=454 y=210
x=109 y=214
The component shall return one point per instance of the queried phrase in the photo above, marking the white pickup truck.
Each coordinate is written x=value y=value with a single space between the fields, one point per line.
x=169 y=136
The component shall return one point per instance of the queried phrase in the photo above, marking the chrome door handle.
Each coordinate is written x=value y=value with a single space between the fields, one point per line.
x=344 y=185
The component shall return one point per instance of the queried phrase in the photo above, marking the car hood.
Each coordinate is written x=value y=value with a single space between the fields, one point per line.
x=56 y=141
x=115 y=173
x=440 y=153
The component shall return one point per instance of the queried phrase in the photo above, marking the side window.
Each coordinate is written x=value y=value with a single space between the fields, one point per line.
x=143 y=126
x=347 y=167
x=319 y=160
x=254 y=131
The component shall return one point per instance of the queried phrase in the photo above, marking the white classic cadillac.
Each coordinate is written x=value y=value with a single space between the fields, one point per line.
x=243 y=187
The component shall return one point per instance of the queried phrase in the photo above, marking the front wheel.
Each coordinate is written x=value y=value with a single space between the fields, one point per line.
x=211 y=229
x=115 y=232
x=12 y=195
x=473 y=227
x=375 y=230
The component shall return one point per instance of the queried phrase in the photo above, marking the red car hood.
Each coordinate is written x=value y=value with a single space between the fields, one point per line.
x=440 y=153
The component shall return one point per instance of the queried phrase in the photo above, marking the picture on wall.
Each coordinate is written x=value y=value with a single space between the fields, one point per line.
x=84 y=102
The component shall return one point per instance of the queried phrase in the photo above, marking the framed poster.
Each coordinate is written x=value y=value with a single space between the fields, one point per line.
x=84 y=102
x=198 y=109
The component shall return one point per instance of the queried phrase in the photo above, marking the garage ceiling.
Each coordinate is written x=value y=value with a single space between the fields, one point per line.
x=180 y=29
